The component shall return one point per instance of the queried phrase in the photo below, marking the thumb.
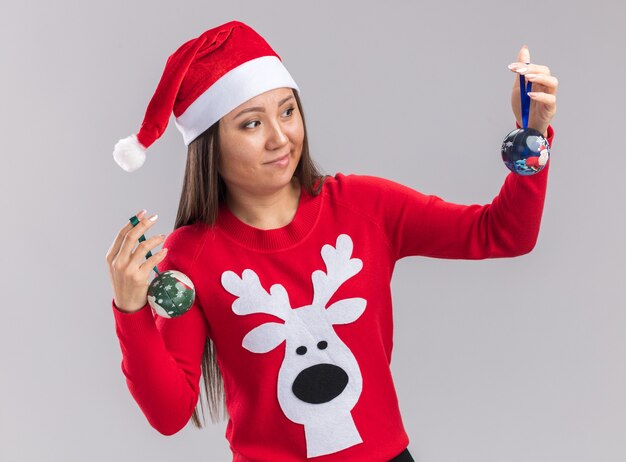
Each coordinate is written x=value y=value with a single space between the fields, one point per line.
x=524 y=55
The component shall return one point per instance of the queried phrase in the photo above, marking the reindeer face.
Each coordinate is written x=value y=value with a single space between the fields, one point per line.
x=319 y=378
x=311 y=354
x=319 y=373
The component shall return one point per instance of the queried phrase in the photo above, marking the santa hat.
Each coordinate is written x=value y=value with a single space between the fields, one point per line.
x=205 y=79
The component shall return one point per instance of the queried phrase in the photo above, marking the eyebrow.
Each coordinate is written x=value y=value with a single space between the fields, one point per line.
x=260 y=109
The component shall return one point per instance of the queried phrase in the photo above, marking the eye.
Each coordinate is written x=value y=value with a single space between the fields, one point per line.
x=289 y=109
x=301 y=350
x=251 y=122
x=322 y=345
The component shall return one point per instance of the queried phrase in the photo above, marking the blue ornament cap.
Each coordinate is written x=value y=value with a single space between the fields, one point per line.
x=525 y=151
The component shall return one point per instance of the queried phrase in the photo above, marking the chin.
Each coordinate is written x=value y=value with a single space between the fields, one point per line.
x=281 y=182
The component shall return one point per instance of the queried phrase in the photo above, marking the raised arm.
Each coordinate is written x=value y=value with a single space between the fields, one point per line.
x=161 y=357
x=509 y=225
x=420 y=224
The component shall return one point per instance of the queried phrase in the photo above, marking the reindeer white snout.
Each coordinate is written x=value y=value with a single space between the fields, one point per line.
x=319 y=380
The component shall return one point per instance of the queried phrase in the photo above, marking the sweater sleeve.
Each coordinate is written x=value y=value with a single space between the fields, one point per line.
x=161 y=357
x=419 y=224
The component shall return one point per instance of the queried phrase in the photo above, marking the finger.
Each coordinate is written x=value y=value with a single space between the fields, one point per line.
x=147 y=266
x=117 y=242
x=545 y=98
x=550 y=82
x=524 y=54
x=144 y=249
x=522 y=68
x=132 y=236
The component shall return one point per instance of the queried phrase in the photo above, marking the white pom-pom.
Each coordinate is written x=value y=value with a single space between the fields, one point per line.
x=129 y=153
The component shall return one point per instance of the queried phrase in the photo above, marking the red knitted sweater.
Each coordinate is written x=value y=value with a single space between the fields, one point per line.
x=301 y=316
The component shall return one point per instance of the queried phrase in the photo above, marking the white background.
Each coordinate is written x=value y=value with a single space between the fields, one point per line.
x=500 y=360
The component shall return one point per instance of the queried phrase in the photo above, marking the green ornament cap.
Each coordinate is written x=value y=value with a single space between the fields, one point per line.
x=171 y=294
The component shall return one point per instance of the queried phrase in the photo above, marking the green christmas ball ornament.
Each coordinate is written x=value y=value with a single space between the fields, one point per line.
x=171 y=294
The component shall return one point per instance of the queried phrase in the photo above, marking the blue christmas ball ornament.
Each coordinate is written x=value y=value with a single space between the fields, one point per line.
x=525 y=151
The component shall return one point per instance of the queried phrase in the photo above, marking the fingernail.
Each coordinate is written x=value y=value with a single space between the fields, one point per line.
x=530 y=76
x=513 y=66
x=141 y=213
x=521 y=69
x=153 y=217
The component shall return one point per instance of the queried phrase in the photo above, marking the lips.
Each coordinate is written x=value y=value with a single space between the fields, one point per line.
x=278 y=159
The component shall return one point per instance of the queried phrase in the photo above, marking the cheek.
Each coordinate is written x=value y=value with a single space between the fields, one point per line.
x=228 y=160
x=239 y=162
x=231 y=164
x=297 y=134
x=301 y=135
x=235 y=152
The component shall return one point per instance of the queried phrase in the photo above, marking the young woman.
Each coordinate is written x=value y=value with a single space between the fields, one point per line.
x=292 y=269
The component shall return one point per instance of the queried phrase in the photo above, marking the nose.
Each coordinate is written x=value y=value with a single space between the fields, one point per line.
x=276 y=138
x=320 y=383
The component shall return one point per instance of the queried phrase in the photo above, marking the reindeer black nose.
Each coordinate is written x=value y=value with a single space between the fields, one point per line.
x=320 y=383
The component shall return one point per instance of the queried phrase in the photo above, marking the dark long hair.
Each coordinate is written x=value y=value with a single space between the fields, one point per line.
x=202 y=193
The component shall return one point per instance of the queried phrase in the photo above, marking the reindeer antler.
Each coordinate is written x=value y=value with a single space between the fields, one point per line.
x=253 y=298
x=339 y=266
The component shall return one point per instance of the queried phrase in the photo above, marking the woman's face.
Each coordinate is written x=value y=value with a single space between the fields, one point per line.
x=261 y=143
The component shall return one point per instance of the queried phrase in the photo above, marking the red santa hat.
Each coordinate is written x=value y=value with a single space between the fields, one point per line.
x=205 y=79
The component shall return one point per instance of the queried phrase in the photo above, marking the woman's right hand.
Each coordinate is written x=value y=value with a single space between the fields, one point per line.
x=128 y=271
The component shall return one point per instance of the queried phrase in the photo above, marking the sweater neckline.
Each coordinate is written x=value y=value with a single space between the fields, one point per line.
x=272 y=240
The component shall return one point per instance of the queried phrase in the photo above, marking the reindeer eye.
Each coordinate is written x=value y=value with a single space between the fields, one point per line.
x=322 y=345
x=301 y=350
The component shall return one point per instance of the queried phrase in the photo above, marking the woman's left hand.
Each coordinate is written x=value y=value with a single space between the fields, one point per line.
x=542 y=96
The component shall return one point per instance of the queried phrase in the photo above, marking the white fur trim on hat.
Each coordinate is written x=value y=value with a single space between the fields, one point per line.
x=129 y=153
x=237 y=86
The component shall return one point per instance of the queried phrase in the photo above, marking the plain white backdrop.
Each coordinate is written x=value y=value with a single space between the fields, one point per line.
x=500 y=360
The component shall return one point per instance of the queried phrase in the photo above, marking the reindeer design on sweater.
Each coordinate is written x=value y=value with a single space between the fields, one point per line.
x=319 y=381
